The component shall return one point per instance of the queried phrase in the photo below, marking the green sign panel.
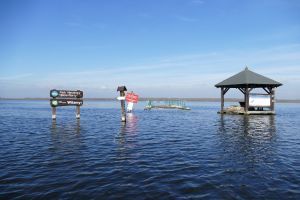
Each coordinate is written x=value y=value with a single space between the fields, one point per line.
x=66 y=102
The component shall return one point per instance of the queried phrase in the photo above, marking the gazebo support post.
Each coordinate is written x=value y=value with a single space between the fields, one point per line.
x=222 y=99
x=272 y=98
x=246 y=99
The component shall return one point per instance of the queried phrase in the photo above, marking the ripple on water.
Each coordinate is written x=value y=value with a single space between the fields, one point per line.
x=157 y=155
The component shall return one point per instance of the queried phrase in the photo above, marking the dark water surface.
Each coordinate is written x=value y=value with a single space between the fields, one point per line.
x=162 y=154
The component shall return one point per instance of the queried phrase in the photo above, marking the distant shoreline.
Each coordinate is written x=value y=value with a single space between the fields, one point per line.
x=163 y=99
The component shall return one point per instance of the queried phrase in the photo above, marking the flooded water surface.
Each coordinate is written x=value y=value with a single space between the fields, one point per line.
x=158 y=154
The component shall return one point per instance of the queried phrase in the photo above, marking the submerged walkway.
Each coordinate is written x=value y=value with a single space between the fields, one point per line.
x=174 y=104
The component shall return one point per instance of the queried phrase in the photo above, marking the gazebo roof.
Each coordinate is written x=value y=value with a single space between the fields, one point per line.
x=248 y=78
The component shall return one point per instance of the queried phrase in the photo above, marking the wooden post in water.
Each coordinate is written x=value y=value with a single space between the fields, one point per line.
x=77 y=112
x=272 y=98
x=246 y=99
x=123 y=119
x=122 y=90
x=53 y=113
x=222 y=100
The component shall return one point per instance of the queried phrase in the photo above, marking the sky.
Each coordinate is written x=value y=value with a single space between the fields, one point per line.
x=157 y=48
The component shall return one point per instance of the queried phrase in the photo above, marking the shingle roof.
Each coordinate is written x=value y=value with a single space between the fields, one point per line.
x=248 y=78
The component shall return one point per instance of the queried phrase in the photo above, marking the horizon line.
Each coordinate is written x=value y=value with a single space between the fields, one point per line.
x=202 y=99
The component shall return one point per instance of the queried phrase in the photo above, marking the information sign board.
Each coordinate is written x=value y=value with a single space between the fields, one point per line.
x=66 y=93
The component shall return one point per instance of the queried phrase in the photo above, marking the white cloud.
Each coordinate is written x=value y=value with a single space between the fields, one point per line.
x=193 y=74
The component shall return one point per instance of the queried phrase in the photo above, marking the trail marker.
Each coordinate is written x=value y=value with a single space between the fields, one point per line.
x=66 y=98
x=131 y=98
x=122 y=90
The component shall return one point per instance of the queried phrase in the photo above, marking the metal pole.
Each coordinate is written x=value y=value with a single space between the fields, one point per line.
x=53 y=113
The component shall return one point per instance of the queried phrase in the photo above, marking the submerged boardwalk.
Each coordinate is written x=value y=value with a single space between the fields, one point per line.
x=174 y=104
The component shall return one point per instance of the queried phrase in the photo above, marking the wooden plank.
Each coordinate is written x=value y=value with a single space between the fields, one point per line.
x=226 y=90
x=242 y=90
x=267 y=91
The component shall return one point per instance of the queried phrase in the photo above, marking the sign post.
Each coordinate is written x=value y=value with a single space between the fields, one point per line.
x=77 y=112
x=122 y=90
x=131 y=98
x=66 y=98
x=53 y=113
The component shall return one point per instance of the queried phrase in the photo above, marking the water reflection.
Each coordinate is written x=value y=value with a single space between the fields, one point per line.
x=127 y=137
x=66 y=135
x=76 y=128
x=248 y=140
x=255 y=126
x=130 y=127
x=53 y=125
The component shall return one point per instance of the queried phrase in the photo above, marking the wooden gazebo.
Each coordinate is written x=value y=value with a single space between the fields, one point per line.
x=246 y=81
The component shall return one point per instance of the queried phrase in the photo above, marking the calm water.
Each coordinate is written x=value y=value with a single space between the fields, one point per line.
x=162 y=154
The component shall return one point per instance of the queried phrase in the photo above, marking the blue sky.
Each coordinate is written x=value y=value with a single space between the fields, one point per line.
x=158 y=48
